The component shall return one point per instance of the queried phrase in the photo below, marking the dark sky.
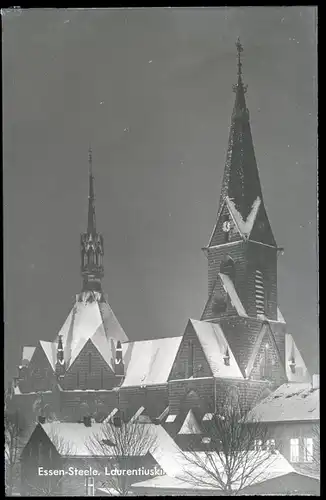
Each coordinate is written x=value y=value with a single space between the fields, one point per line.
x=151 y=90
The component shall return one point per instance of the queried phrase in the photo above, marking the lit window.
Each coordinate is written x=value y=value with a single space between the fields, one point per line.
x=294 y=450
x=90 y=486
x=206 y=440
x=171 y=418
x=308 y=449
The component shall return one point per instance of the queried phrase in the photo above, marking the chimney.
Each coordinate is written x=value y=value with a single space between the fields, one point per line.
x=118 y=362
x=315 y=381
x=88 y=421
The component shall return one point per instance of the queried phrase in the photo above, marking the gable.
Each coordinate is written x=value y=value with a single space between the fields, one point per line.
x=190 y=424
x=262 y=231
x=221 y=236
x=181 y=367
x=88 y=368
x=265 y=361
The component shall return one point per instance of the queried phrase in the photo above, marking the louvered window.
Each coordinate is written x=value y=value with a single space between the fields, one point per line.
x=259 y=292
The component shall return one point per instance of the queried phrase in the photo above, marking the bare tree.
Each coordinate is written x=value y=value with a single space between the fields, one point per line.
x=237 y=452
x=13 y=447
x=312 y=454
x=124 y=444
x=55 y=456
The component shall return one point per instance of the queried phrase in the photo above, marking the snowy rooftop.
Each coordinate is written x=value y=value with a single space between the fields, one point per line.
x=149 y=362
x=91 y=318
x=74 y=439
x=215 y=345
x=290 y=402
x=190 y=425
x=274 y=466
x=244 y=226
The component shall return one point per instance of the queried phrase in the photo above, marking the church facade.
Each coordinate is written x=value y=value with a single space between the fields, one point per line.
x=239 y=347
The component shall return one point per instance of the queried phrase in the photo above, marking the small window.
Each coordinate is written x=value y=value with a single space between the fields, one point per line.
x=270 y=444
x=89 y=362
x=206 y=440
x=101 y=378
x=77 y=379
x=228 y=267
x=90 y=486
x=191 y=352
x=294 y=450
x=308 y=449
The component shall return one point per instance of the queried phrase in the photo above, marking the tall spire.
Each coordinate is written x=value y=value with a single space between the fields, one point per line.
x=241 y=179
x=91 y=225
x=91 y=241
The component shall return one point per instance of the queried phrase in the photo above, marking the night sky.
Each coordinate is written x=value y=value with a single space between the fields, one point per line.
x=151 y=91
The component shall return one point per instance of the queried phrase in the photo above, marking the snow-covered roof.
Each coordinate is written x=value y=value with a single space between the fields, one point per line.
x=290 y=402
x=149 y=362
x=215 y=345
x=300 y=373
x=190 y=425
x=50 y=349
x=244 y=226
x=74 y=440
x=274 y=466
x=28 y=352
x=231 y=291
x=91 y=318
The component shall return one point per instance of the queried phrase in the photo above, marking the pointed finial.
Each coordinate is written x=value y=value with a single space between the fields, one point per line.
x=239 y=50
x=90 y=160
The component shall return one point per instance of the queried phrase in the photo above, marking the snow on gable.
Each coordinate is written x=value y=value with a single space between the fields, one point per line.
x=149 y=362
x=190 y=425
x=280 y=317
x=112 y=327
x=215 y=346
x=50 y=350
x=246 y=226
x=230 y=290
x=28 y=352
x=297 y=372
x=290 y=402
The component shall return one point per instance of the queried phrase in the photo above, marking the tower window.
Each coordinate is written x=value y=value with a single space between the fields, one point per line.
x=101 y=378
x=77 y=379
x=259 y=292
x=89 y=362
x=90 y=486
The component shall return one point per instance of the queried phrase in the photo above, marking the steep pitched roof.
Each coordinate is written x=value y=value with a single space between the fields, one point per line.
x=149 y=362
x=50 y=349
x=290 y=402
x=215 y=346
x=28 y=352
x=91 y=318
x=300 y=373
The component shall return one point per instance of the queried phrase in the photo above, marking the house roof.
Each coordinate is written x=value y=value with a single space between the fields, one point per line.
x=74 y=439
x=28 y=352
x=215 y=345
x=275 y=465
x=149 y=362
x=91 y=318
x=290 y=402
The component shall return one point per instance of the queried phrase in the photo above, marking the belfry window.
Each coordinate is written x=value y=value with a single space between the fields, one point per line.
x=259 y=292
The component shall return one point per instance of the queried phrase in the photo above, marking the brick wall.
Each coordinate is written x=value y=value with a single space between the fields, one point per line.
x=180 y=389
x=200 y=364
x=86 y=374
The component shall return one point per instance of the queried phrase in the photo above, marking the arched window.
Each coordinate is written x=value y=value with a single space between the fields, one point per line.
x=102 y=378
x=228 y=267
x=89 y=362
x=77 y=379
x=191 y=351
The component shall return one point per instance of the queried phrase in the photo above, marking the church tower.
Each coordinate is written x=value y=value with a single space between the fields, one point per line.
x=242 y=252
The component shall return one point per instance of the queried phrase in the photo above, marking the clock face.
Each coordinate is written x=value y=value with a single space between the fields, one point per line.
x=226 y=226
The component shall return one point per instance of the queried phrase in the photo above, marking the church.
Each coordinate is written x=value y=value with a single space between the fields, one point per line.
x=239 y=346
